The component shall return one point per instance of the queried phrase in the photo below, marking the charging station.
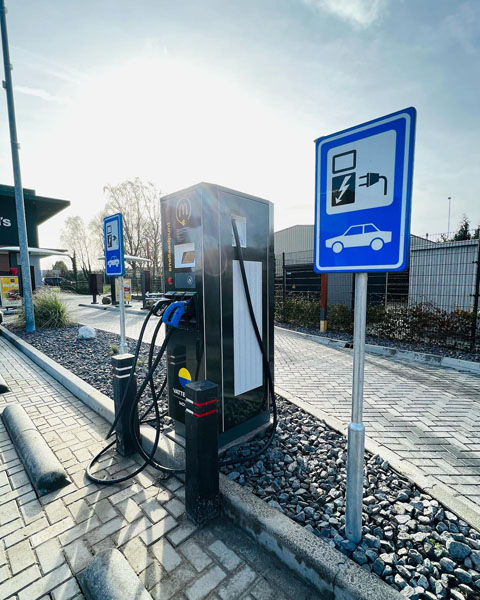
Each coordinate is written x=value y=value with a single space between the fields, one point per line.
x=217 y=342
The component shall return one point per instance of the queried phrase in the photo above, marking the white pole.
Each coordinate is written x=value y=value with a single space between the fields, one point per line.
x=121 y=301
x=356 y=429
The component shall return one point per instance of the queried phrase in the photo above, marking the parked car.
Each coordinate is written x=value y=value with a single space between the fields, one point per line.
x=57 y=281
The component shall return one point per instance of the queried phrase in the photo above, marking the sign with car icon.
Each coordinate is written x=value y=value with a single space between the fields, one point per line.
x=357 y=236
x=113 y=240
x=362 y=196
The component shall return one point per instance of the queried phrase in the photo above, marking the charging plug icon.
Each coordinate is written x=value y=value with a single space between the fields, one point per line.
x=372 y=179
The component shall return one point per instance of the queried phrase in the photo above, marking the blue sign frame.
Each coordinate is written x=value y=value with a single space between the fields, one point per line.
x=113 y=245
x=363 y=187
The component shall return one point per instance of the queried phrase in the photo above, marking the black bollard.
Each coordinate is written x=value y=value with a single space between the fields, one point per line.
x=122 y=367
x=202 y=499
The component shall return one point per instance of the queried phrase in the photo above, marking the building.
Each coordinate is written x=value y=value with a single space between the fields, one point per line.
x=38 y=209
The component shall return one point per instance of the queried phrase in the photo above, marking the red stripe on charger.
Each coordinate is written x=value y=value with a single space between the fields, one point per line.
x=210 y=412
x=205 y=403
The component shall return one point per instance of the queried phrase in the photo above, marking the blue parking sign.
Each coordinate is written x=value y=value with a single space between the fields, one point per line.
x=363 y=186
x=113 y=240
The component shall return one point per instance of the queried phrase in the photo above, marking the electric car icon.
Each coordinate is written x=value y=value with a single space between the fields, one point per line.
x=113 y=262
x=357 y=236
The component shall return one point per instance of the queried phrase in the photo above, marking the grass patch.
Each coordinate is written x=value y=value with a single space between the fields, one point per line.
x=50 y=312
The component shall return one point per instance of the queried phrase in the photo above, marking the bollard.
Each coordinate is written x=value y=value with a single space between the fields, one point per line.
x=202 y=499
x=122 y=366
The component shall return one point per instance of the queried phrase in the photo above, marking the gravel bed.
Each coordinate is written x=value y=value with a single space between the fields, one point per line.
x=91 y=359
x=452 y=353
x=409 y=539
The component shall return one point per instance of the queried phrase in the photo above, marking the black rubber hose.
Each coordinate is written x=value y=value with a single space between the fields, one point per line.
x=266 y=364
x=134 y=365
x=147 y=457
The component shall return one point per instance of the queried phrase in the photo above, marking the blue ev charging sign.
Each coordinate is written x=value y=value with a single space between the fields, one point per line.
x=362 y=196
x=113 y=240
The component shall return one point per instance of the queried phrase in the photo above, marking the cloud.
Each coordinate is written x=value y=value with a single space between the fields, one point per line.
x=43 y=94
x=357 y=12
x=54 y=68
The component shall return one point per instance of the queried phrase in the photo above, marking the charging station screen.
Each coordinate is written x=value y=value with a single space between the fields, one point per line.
x=188 y=257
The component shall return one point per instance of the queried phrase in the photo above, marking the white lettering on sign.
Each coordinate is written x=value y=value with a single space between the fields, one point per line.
x=5 y=222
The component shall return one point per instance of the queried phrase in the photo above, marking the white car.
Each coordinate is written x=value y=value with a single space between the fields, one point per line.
x=113 y=262
x=360 y=235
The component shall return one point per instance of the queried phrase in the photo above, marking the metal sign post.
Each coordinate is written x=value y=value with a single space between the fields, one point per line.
x=356 y=429
x=362 y=224
x=19 y=201
x=121 y=302
x=115 y=264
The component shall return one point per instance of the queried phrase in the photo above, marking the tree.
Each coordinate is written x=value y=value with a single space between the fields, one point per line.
x=75 y=238
x=61 y=268
x=463 y=232
x=139 y=204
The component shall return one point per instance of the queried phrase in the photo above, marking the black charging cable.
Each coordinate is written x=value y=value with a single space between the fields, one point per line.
x=266 y=363
x=148 y=379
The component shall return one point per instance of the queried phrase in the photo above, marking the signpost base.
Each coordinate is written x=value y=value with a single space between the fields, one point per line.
x=355 y=458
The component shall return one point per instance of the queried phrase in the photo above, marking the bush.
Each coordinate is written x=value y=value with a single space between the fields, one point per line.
x=340 y=318
x=422 y=323
x=50 y=312
x=301 y=311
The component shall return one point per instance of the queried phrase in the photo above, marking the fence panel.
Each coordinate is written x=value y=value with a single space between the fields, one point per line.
x=435 y=301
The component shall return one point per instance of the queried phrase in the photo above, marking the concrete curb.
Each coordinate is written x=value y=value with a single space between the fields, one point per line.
x=387 y=351
x=330 y=572
x=109 y=576
x=114 y=309
x=464 y=509
x=97 y=401
x=43 y=468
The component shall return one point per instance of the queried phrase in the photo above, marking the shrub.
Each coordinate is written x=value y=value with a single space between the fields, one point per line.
x=302 y=311
x=340 y=318
x=50 y=312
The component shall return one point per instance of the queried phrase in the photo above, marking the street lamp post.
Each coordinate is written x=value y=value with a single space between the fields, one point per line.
x=19 y=201
x=449 y=203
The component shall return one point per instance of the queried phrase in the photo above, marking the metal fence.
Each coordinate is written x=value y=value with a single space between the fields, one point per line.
x=435 y=301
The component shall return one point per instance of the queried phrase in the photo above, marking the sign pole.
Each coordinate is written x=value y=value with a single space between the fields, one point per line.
x=121 y=300
x=356 y=429
x=19 y=201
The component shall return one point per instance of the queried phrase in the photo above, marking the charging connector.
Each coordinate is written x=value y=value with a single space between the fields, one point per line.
x=372 y=179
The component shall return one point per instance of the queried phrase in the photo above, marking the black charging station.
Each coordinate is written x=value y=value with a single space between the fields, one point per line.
x=218 y=343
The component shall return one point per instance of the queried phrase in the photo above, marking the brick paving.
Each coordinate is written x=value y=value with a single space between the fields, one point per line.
x=46 y=542
x=427 y=415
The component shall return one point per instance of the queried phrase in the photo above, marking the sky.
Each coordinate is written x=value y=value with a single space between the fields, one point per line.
x=234 y=92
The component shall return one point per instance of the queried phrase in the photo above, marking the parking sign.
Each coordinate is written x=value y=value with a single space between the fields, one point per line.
x=362 y=196
x=113 y=240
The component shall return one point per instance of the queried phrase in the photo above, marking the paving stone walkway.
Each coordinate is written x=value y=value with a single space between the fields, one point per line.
x=427 y=415
x=45 y=542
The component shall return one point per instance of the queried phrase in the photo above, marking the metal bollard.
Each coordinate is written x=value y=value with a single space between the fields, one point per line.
x=202 y=499
x=122 y=366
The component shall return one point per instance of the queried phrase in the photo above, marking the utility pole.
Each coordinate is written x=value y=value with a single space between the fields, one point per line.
x=449 y=203
x=19 y=201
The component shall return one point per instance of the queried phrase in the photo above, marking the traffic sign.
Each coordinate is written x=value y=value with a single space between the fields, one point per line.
x=113 y=236
x=363 y=187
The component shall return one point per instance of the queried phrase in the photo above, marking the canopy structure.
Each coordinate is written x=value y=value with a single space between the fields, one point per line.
x=40 y=252
x=132 y=258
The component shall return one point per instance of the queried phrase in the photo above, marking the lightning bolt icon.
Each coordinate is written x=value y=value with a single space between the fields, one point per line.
x=343 y=188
